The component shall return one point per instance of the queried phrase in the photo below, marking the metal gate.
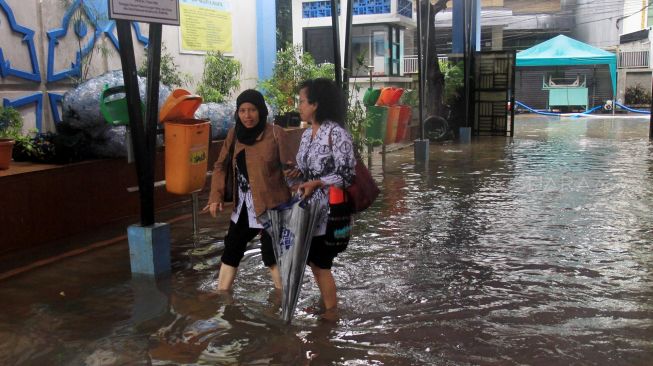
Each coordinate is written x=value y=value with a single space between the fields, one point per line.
x=493 y=93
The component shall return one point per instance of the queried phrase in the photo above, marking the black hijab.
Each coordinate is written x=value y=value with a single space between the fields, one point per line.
x=246 y=135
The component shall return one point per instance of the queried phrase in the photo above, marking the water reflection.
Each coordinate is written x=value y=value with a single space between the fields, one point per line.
x=531 y=250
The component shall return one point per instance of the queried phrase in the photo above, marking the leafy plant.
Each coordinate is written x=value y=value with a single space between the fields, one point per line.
x=291 y=68
x=637 y=95
x=410 y=97
x=454 y=78
x=169 y=74
x=11 y=123
x=357 y=118
x=220 y=78
x=28 y=149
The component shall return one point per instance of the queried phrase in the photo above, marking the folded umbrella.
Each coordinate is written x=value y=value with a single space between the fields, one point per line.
x=291 y=227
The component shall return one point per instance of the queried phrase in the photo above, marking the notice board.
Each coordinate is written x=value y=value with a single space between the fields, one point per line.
x=205 y=25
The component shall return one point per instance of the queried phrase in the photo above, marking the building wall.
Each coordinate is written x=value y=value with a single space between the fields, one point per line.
x=635 y=16
x=299 y=23
x=35 y=18
x=596 y=22
x=532 y=7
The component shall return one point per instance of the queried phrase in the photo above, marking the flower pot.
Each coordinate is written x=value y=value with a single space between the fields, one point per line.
x=6 y=147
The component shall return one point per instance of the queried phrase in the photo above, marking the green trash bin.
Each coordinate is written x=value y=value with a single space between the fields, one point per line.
x=377 y=117
x=113 y=105
x=371 y=96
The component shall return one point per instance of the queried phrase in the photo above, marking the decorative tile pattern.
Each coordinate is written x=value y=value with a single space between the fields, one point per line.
x=28 y=40
x=36 y=98
x=55 y=99
x=405 y=8
x=363 y=7
x=319 y=9
x=97 y=13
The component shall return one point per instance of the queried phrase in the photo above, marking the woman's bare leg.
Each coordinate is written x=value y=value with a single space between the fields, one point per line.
x=276 y=276
x=327 y=285
x=226 y=277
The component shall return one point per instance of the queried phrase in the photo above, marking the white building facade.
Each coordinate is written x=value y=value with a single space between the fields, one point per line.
x=382 y=31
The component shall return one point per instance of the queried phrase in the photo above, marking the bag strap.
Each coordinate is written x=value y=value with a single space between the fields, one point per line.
x=230 y=155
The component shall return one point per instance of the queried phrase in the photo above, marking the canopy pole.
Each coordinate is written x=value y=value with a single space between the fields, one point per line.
x=650 y=123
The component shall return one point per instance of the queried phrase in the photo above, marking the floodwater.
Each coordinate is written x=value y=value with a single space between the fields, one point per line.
x=535 y=250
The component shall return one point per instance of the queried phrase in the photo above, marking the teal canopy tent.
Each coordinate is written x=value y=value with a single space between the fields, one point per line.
x=564 y=51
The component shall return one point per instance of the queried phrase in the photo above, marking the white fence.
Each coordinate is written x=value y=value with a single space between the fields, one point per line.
x=410 y=63
x=633 y=59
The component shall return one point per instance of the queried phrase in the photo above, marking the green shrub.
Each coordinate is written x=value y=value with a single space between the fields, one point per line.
x=11 y=123
x=169 y=74
x=291 y=68
x=454 y=78
x=220 y=78
x=637 y=95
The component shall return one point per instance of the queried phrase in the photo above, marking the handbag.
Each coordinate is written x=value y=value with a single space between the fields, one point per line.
x=338 y=226
x=363 y=190
x=229 y=174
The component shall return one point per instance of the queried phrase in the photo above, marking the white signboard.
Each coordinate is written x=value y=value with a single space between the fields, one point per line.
x=148 y=11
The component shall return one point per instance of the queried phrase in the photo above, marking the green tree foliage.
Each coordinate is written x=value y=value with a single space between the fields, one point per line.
x=220 y=78
x=169 y=73
x=11 y=123
x=291 y=68
x=284 y=23
x=453 y=80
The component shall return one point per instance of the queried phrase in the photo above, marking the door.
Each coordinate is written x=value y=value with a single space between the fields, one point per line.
x=493 y=93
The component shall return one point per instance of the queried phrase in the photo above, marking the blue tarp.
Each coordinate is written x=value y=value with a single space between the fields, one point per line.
x=564 y=51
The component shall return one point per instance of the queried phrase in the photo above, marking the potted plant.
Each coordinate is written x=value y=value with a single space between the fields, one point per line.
x=291 y=68
x=11 y=125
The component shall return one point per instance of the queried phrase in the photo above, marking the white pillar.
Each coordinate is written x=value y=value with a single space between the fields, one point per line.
x=497 y=38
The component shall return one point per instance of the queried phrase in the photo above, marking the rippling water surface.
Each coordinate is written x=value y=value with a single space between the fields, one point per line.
x=532 y=250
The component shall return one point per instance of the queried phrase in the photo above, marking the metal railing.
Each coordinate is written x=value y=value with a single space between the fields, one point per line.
x=633 y=59
x=410 y=63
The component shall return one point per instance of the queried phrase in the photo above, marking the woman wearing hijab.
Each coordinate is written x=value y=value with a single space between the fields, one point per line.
x=259 y=184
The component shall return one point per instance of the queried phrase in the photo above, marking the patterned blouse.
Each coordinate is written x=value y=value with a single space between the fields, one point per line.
x=245 y=197
x=329 y=159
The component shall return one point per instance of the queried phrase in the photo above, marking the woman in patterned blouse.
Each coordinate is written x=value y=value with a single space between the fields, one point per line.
x=325 y=158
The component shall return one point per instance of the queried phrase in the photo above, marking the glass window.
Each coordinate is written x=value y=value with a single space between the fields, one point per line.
x=370 y=42
x=319 y=43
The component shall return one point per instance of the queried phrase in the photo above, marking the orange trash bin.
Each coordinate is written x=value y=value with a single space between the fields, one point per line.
x=391 y=127
x=186 y=143
x=405 y=112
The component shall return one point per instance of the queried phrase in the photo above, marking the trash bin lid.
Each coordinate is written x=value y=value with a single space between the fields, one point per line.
x=181 y=104
x=371 y=96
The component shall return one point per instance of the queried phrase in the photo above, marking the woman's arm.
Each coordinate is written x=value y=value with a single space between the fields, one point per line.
x=218 y=176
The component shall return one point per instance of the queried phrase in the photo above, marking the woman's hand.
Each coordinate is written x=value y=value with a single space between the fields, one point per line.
x=213 y=208
x=307 y=188
x=290 y=171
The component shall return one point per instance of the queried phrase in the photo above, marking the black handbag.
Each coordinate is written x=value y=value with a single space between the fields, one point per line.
x=229 y=174
x=338 y=227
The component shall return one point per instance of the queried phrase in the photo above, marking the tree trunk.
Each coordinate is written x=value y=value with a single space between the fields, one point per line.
x=433 y=78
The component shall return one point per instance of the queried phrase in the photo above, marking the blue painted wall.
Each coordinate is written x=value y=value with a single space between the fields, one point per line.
x=266 y=37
